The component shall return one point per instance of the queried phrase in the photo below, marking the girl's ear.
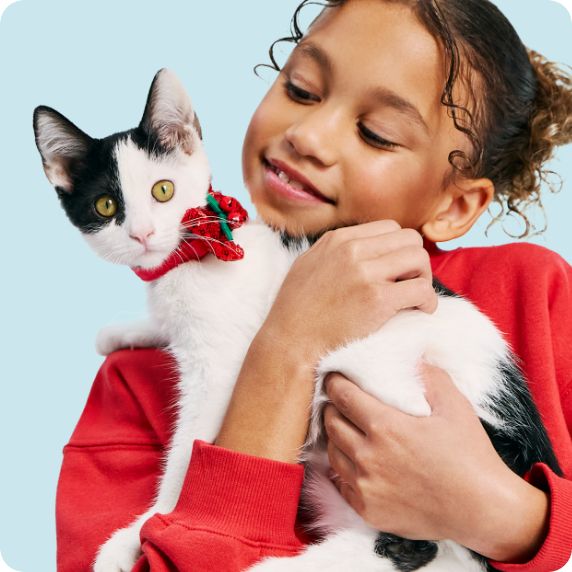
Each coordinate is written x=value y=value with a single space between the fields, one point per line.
x=459 y=207
x=169 y=113
x=62 y=145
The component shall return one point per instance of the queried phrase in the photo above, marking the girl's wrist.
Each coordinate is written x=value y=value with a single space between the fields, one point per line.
x=298 y=350
x=512 y=522
x=269 y=410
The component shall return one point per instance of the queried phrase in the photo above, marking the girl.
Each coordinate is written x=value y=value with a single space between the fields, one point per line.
x=388 y=116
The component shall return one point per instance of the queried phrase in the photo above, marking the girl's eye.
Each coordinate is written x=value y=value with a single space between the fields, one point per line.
x=372 y=139
x=106 y=206
x=163 y=191
x=298 y=94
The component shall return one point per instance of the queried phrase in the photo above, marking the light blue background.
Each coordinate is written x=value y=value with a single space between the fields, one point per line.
x=94 y=62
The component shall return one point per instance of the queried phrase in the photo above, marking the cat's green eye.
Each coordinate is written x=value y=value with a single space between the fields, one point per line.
x=106 y=206
x=163 y=191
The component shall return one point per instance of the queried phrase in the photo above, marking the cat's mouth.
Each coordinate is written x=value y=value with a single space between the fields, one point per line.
x=151 y=255
x=150 y=258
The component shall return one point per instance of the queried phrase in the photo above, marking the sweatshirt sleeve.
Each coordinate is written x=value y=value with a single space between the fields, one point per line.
x=556 y=550
x=554 y=291
x=232 y=511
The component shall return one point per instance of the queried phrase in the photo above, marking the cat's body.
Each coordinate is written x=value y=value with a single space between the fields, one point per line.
x=209 y=311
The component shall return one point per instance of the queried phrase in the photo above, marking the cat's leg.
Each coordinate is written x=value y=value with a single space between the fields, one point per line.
x=457 y=338
x=120 y=552
x=143 y=334
x=123 y=548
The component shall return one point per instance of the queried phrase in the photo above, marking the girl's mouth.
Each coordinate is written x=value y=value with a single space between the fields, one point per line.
x=287 y=182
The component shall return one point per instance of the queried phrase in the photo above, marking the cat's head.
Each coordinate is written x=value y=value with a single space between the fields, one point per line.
x=128 y=192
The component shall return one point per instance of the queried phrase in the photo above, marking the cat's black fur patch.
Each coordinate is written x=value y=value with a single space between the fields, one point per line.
x=93 y=170
x=298 y=243
x=98 y=174
x=405 y=555
x=95 y=175
x=522 y=442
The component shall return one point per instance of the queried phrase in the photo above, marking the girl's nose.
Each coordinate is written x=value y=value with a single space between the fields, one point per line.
x=316 y=135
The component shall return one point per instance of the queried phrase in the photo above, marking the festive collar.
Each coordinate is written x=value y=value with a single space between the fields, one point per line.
x=208 y=231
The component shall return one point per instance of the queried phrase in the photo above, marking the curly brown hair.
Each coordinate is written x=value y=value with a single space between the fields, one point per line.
x=527 y=110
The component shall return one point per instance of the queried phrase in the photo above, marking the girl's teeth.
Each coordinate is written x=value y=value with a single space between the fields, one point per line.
x=294 y=184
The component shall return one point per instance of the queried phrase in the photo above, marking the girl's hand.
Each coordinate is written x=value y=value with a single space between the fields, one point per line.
x=347 y=286
x=431 y=478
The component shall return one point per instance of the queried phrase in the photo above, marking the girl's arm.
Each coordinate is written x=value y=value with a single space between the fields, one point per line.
x=345 y=287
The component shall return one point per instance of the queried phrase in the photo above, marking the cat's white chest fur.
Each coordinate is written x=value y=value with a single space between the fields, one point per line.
x=210 y=311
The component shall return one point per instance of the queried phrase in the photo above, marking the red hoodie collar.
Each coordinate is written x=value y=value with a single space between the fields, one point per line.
x=209 y=231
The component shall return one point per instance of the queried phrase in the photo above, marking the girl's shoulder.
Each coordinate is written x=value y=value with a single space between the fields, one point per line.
x=518 y=265
x=513 y=284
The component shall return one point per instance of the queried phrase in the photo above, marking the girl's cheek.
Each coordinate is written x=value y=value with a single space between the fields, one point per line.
x=259 y=130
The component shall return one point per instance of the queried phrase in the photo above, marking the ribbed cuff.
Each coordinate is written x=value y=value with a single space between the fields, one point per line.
x=555 y=552
x=240 y=495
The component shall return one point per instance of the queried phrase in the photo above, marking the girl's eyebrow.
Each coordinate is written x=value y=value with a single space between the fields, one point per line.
x=384 y=95
x=307 y=48
x=391 y=99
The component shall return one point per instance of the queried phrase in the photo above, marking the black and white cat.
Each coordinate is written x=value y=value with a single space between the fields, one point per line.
x=127 y=194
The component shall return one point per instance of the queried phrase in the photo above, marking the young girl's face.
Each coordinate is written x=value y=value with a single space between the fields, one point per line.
x=353 y=129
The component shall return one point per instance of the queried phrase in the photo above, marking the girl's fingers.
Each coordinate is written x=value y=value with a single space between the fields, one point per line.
x=372 y=247
x=341 y=464
x=344 y=477
x=442 y=394
x=350 y=495
x=341 y=432
x=416 y=293
x=365 y=230
x=375 y=240
x=403 y=264
x=366 y=412
x=391 y=297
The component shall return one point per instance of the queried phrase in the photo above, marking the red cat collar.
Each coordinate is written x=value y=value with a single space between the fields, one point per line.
x=208 y=230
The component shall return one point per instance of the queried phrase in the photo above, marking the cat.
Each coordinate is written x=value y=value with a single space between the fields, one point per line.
x=128 y=193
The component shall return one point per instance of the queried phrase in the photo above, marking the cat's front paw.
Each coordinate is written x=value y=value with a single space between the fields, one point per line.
x=128 y=336
x=120 y=552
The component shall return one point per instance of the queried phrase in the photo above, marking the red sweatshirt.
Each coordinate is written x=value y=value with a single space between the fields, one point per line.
x=235 y=509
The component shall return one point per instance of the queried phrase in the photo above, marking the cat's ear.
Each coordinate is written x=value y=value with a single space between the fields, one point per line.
x=62 y=145
x=169 y=113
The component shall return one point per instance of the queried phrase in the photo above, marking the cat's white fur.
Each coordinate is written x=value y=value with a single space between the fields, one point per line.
x=209 y=312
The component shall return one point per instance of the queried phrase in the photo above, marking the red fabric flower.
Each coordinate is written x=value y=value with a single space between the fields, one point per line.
x=205 y=233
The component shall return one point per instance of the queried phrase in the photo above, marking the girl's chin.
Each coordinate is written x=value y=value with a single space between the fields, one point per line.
x=292 y=224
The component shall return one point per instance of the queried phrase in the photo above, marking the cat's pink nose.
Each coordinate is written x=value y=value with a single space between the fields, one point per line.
x=143 y=236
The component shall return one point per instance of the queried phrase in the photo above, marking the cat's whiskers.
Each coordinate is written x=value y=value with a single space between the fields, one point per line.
x=210 y=218
x=208 y=240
